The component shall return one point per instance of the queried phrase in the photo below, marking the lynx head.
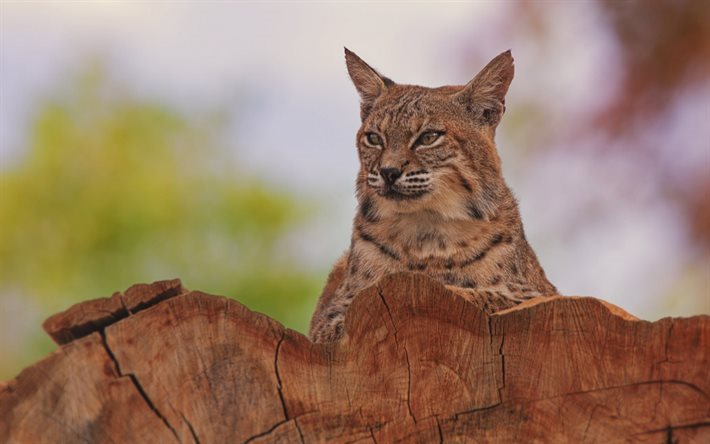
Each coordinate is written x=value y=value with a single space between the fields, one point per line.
x=430 y=149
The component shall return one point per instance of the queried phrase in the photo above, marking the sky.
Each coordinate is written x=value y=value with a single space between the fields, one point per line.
x=278 y=69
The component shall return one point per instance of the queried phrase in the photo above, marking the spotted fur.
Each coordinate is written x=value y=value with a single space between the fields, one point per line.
x=439 y=208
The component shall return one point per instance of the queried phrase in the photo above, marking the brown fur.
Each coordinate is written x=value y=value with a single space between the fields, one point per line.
x=450 y=214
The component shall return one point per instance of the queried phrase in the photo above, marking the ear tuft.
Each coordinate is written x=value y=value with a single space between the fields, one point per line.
x=486 y=92
x=369 y=83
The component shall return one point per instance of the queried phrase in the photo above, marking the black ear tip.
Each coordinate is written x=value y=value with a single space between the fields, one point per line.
x=508 y=55
x=349 y=55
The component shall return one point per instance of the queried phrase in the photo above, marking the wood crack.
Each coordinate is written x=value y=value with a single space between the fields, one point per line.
x=409 y=386
x=298 y=428
x=279 y=385
x=389 y=313
x=138 y=386
x=438 y=428
x=456 y=415
x=266 y=432
x=691 y=386
x=372 y=434
x=406 y=355
x=92 y=316
x=192 y=429
x=670 y=428
x=502 y=357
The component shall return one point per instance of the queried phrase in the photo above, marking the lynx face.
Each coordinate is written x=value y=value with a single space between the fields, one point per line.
x=400 y=151
x=430 y=148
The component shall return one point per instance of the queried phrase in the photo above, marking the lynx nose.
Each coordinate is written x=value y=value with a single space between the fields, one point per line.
x=390 y=175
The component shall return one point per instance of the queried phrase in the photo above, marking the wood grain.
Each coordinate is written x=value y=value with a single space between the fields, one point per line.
x=418 y=363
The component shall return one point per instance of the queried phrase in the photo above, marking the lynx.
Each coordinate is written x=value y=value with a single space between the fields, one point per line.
x=431 y=196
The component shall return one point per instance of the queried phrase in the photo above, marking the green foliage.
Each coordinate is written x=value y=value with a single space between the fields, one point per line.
x=113 y=191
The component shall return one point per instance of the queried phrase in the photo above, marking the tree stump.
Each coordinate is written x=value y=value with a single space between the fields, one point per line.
x=418 y=363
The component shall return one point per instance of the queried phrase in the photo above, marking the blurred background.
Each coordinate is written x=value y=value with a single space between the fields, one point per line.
x=214 y=142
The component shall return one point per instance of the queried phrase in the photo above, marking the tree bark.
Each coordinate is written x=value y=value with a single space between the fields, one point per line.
x=418 y=363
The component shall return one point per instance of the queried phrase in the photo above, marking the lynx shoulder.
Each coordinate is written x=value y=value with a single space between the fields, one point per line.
x=431 y=195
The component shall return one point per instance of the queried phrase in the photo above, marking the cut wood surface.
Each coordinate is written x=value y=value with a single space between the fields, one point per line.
x=418 y=363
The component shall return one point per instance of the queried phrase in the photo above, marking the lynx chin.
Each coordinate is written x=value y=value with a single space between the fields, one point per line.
x=431 y=196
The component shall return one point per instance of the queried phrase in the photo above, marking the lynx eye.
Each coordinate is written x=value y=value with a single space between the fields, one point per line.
x=428 y=138
x=373 y=139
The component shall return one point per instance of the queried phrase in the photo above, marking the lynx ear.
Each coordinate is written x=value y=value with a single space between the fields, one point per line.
x=368 y=82
x=485 y=94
